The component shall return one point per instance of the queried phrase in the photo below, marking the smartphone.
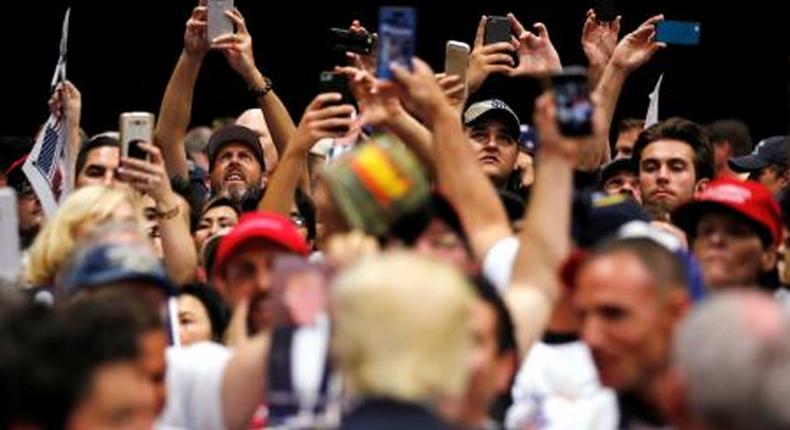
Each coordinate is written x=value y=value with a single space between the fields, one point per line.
x=456 y=58
x=218 y=22
x=397 y=38
x=528 y=140
x=572 y=97
x=497 y=30
x=605 y=10
x=348 y=41
x=10 y=254
x=331 y=82
x=678 y=32
x=136 y=127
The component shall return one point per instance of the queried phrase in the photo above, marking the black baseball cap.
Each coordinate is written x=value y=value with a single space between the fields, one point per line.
x=769 y=152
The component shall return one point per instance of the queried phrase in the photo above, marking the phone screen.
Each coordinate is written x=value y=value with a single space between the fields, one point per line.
x=397 y=38
x=572 y=98
x=678 y=32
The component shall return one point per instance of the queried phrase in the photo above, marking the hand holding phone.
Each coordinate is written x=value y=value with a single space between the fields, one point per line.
x=572 y=98
x=397 y=39
x=136 y=127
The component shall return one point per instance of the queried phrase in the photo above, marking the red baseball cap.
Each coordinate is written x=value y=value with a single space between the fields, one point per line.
x=749 y=199
x=265 y=226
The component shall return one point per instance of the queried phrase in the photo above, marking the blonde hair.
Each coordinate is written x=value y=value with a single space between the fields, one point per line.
x=89 y=206
x=402 y=328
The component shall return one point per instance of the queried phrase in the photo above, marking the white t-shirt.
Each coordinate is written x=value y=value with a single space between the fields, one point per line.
x=498 y=262
x=194 y=387
x=557 y=387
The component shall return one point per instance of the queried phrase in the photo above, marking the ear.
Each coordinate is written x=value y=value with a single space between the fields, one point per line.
x=701 y=185
x=678 y=303
x=768 y=260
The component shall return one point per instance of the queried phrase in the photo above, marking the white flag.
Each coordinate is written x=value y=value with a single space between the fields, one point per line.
x=652 y=109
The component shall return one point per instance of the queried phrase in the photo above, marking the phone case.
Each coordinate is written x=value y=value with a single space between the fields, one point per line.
x=456 y=58
x=10 y=254
x=678 y=32
x=136 y=127
x=497 y=30
x=218 y=22
x=572 y=98
x=397 y=34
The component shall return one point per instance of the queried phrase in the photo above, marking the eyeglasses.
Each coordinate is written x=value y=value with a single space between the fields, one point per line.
x=298 y=220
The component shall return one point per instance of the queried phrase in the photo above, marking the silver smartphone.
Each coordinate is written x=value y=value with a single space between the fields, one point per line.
x=10 y=255
x=136 y=127
x=456 y=58
x=218 y=22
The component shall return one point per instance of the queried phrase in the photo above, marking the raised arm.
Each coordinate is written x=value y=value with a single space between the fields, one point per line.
x=537 y=56
x=634 y=50
x=457 y=172
x=176 y=109
x=320 y=120
x=238 y=50
x=599 y=38
x=67 y=101
x=150 y=177
x=545 y=238
x=485 y=60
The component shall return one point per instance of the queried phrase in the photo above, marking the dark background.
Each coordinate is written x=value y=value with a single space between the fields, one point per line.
x=121 y=55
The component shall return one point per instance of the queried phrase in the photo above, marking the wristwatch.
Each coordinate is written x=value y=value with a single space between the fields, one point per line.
x=261 y=92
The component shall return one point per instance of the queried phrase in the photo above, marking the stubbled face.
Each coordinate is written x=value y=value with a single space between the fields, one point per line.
x=495 y=148
x=772 y=177
x=235 y=171
x=101 y=166
x=730 y=251
x=667 y=176
x=624 y=321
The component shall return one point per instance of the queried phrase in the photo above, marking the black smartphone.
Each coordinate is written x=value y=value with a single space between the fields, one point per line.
x=497 y=30
x=331 y=82
x=343 y=40
x=572 y=97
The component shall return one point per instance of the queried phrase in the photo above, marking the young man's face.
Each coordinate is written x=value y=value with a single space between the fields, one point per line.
x=100 y=167
x=625 y=322
x=667 y=176
x=730 y=251
x=624 y=146
x=235 y=171
x=118 y=397
x=495 y=148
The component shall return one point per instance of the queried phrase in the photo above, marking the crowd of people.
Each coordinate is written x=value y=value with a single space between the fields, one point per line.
x=402 y=259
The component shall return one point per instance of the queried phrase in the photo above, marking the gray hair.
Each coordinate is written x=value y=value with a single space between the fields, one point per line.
x=197 y=139
x=734 y=353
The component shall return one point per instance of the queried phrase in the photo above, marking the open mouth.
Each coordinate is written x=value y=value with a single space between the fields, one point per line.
x=234 y=176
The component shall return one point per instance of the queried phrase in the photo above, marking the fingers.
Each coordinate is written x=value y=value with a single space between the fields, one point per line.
x=616 y=24
x=497 y=47
x=331 y=125
x=500 y=59
x=226 y=39
x=481 y=32
x=590 y=13
x=322 y=99
x=515 y=24
x=507 y=70
x=332 y=112
x=543 y=32
x=238 y=20
x=589 y=24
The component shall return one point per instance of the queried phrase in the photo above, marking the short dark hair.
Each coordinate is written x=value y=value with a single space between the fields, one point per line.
x=685 y=131
x=666 y=267
x=97 y=141
x=628 y=124
x=193 y=197
x=306 y=209
x=56 y=353
x=215 y=309
x=734 y=131
x=505 y=330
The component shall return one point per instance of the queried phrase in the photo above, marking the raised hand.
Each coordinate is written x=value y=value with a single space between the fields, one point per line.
x=537 y=56
x=321 y=119
x=195 y=42
x=487 y=59
x=638 y=47
x=599 y=38
x=237 y=47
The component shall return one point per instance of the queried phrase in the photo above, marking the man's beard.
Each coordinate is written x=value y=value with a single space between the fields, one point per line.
x=246 y=197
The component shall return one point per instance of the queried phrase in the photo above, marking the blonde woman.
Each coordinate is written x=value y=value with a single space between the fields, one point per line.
x=82 y=211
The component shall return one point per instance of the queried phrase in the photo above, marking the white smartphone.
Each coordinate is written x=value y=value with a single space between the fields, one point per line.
x=218 y=22
x=456 y=58
x=136 y=127
x=10 y=255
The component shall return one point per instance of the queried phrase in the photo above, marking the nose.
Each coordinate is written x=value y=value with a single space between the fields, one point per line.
x=663 y=173
x=592 y=334
x=262 y=281
x=109 y=177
